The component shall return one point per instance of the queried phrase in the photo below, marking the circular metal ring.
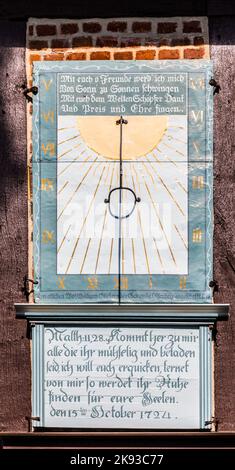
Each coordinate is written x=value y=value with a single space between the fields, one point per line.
x=119 y=188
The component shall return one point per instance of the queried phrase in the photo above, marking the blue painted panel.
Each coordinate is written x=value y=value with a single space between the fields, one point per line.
x=181 y=269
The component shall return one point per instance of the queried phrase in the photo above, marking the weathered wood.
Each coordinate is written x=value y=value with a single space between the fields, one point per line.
x=222 y=37
x=14 y=347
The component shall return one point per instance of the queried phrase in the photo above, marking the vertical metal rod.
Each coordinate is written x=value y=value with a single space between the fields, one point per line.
x=120 y=214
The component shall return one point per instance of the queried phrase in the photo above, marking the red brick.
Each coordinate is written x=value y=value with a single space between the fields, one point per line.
x=180 y=42
x=54 y=56
x=84 y=41
x=76 y=56
x=30 y=106
x=30 y=30
x=38 y=44
x=123 y=55
x=165 y=28
x=169 y=54
x=106 y=41
x=194 y=53
x=145 y=55
x=198 y=41
x=59 y=43
x=192 y=27
x=131 y=42
x=117 y=26
x=46 y=29
x=100 y=55
x=91 y=27
x=69 y=28
x=141 y=26
x=34 y=57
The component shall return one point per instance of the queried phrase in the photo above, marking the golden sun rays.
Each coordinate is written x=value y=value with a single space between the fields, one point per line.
x=155 y=167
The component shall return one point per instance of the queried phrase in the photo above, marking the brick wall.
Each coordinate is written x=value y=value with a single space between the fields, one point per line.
x=116 y=39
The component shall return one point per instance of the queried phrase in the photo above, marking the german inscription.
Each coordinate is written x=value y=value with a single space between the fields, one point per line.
x=122 y=93
x=119 y=377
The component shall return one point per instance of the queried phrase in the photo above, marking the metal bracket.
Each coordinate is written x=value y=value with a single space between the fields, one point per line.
x=214 y=332
x=30 y=419
x=33 y=90
x=26 y=289
x=136 y=199
x=215 y=85
x=214 y=421
x=121 y=121
x=214 y=285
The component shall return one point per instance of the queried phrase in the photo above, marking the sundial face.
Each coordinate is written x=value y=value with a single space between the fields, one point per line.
x=155 y=236
x=130 y=204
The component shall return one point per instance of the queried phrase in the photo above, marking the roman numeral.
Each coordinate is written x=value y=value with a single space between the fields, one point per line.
x=196 y=147
x=60 y=283
x=46 y=184
x=198 y=182
x=197 y=116
x=49 y=148
x=47 y=83
x=48 y=116
x=48 y=237
x=123 y=283
x=197 y=83
x=183 y=280
x=197 y=235
x=92 y=283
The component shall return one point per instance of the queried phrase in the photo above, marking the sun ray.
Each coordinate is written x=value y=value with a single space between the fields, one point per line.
x=181 y=236
x=84 y=161
x=64 y=186
x=104 y=222
x=170 y=137
x=160 y=223
x=84 y=259
x=76 y=190
x=110 y=255
x=70 y=138
x=70 y=150
x=151 y=176
x=160 y=161
x=141 y=229
x=84 y=222
x=182 y=186
x=183 y=214
x=133 y=254
x=159 y=256
x=138 y=182
x=65 y=128
x=172 y=148
x=64 y=238
x=166 y=187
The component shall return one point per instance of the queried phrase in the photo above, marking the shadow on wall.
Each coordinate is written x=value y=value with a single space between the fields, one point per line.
x=14 y=347
x=107 y=9
x=103 y=9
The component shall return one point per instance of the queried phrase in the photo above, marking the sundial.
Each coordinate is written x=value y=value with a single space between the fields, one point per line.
x=124 y=160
